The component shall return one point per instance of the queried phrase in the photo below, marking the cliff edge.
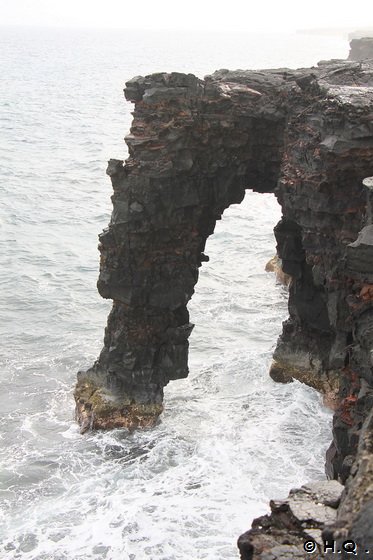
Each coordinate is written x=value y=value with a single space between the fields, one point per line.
x=361 y=49
x=194 y=147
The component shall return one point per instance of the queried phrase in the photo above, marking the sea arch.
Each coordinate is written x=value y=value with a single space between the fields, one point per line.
x=194 y=147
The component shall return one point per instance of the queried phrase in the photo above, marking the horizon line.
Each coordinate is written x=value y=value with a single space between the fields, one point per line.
x=322 y=29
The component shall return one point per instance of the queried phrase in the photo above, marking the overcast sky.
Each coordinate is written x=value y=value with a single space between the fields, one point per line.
x=190 y=14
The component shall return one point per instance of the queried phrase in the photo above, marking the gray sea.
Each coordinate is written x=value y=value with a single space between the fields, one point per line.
x=230 y=438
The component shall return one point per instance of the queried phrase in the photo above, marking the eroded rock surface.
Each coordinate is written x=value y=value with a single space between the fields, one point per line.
x=292 y=523
x=361 y=49
x=195 y=146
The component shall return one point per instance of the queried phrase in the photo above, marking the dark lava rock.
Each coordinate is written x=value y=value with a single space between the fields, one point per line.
x=194 y=147
x=293 y=522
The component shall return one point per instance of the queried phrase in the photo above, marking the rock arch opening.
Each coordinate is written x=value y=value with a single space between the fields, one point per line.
x=237 y=307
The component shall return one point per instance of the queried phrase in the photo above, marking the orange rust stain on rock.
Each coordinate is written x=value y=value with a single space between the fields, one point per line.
x=366 y=292
x=347 y=406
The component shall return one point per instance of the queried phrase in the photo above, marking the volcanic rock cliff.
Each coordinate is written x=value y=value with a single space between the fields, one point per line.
x=194 y=147
x=361 y=49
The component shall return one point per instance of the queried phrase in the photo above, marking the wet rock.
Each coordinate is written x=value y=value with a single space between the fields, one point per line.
x=275 y=265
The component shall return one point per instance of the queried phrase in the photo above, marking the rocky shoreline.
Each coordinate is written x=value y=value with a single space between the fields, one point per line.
x=195 y=145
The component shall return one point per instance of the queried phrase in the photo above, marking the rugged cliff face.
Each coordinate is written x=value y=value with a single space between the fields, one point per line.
x=361 y=49
x=195 y=146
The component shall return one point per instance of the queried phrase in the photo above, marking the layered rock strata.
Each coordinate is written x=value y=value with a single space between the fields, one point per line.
x=194 y=147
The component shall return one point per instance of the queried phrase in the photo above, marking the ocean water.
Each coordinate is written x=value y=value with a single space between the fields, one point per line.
x=230 y=438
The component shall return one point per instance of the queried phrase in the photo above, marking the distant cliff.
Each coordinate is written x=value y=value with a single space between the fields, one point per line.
x=361 y=49
x=195 y=146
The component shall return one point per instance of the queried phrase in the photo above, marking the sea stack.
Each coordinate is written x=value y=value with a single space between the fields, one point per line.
x=194 y=147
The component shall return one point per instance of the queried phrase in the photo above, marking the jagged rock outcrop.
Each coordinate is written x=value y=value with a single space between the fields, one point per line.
x=194 y=147
x=294 y=527
x=275 y=265
x=361 y=49
x=322 y=519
